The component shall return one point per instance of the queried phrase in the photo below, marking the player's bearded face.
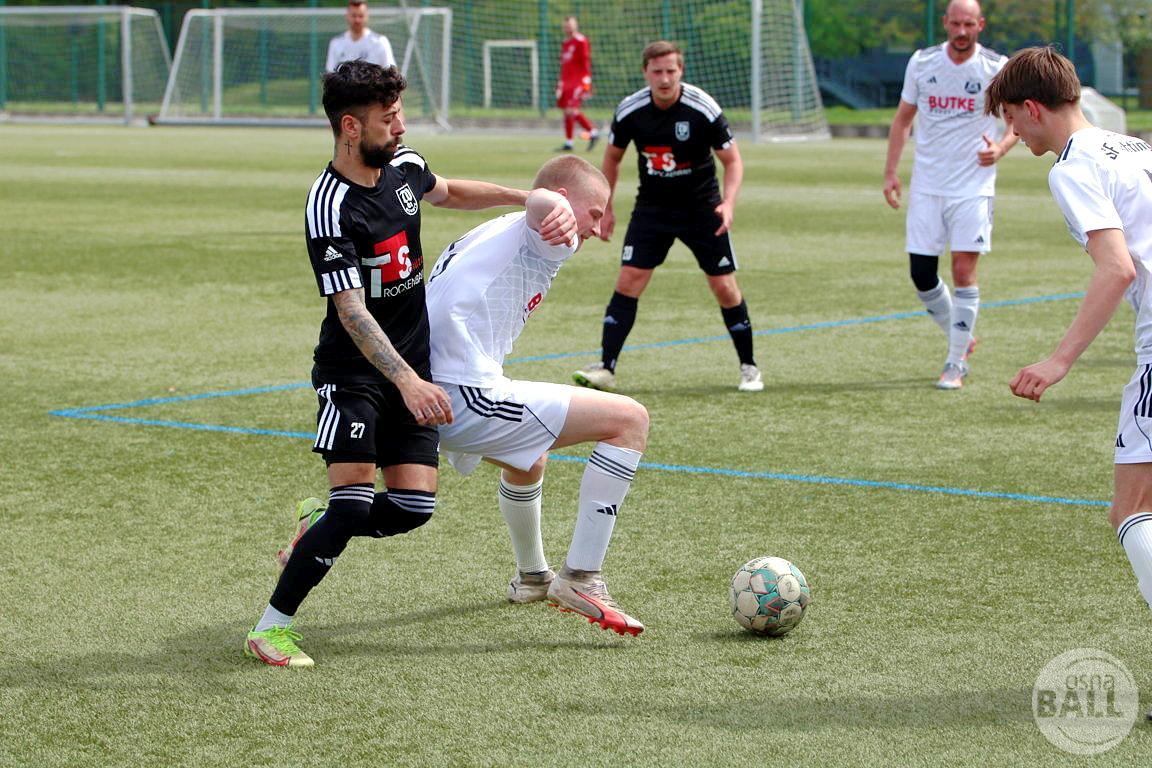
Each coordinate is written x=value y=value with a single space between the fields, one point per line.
x=378 y=155
x=381 y=132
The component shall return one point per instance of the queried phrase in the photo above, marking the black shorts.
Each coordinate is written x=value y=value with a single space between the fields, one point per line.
x=652 y=231
x=362 y=418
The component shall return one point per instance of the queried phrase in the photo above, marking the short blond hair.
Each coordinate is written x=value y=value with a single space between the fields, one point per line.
x=568 y=172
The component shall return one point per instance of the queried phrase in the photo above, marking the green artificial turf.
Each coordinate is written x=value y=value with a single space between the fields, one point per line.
x=163 y=263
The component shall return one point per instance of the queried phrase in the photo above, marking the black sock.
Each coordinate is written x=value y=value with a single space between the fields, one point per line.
x=317 y=550
x=618 y=320
x=740 y=329
x=398 y=510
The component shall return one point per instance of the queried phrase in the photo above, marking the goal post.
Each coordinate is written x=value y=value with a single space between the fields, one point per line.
x=263 y=65
x=81 y=62
x=784 y=94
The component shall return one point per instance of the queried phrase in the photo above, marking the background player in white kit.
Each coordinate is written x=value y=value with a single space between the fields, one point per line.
x=1102 y=182
x=480 y=294
x=953 y=175
x=359 y=42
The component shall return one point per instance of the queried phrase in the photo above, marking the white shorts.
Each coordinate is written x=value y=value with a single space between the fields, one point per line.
x=1134 y=433
x=514 y=423
x=936 y=224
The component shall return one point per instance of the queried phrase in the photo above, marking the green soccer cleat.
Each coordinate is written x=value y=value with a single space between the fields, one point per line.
x=307 y=513
x=276 y=647
x=596 y=376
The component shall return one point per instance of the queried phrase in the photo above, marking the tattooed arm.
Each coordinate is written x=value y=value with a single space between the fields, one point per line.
x=428 y=403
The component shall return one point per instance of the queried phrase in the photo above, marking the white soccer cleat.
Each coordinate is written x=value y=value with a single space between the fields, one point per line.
x=529 y=587
x=584 y=593
x=595 y=376
x=952 y=377
x=750 y=378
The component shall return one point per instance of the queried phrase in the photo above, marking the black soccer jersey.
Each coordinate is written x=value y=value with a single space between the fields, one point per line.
x=674 y=147
x=369 y=237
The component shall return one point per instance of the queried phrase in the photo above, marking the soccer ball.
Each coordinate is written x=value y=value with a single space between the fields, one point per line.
x=769 y=596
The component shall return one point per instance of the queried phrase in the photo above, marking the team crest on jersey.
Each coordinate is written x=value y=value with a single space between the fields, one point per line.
x=972 y=86
x=407 y=200
x=682 y=130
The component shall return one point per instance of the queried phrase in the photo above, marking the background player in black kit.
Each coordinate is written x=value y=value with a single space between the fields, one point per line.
x=378 y=406
x=676 y=127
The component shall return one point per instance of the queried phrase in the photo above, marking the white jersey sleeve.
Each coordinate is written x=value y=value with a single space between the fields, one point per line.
x=1103 y=180
x=481 y=293
x=1080 y=191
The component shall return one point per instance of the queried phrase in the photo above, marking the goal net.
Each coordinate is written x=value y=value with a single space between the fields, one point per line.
x=751 y=55
x=81 y=62
x=264 y=65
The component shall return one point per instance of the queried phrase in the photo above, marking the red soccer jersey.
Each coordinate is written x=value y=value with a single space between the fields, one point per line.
x=575 y=60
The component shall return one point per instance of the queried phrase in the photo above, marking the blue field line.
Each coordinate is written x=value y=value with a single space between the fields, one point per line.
x=185 y=425
x=823 y=325
x=95 y=413
x=77 y=413
x=74 y=413
x=879 y=484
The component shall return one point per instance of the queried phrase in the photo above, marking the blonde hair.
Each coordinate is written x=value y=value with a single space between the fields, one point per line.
x=569 y=172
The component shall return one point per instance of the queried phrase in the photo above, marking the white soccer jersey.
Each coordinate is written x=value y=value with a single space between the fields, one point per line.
x=1103 y=180
x=480 y=294
x=950 y=121
x=370 y=47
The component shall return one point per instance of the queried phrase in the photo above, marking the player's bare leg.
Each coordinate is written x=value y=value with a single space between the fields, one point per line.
x=1131 y=518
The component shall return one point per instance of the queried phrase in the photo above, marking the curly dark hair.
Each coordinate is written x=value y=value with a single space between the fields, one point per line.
x=357 y=85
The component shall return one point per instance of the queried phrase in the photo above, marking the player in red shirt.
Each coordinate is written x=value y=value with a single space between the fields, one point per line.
x=575 y=83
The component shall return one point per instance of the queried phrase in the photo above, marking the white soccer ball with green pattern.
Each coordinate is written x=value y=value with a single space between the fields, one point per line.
x=769 y=596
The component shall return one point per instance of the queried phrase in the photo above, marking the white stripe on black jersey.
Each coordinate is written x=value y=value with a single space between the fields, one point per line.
x=630 y=104
x=323 y=209
x=340 y=280
x=699 y=100
x=406 y=155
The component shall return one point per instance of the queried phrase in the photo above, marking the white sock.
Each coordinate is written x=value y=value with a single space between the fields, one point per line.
x=607 y=477
x=938 y=302
x=272 y=618
x=1135 y=535
x=965 y=306
x=520 y=505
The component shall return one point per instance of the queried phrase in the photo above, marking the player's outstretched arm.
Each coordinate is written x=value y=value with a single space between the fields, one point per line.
x=469 y=195
x=733 y=178
x=1112 y=275
x=610 y=167
x=428 y=403
x=897 y=137
x=550 y=215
